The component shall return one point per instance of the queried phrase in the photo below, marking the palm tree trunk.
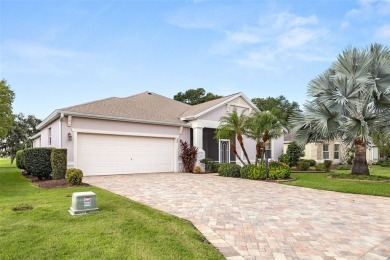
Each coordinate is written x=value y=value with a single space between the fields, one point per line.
x=360 y=166
x=240 y=141
x=258 y=152
x=233 y=148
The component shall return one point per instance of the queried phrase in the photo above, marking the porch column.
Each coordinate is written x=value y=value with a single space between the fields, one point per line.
x=198 y=142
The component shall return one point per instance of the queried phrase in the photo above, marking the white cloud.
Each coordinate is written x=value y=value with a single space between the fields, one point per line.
x=288 y=20
x=383 y=32
x=242 y=37
x=299 y=37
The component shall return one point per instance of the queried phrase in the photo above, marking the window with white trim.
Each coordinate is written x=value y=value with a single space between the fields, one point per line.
x=49 y=136
x=325 y=151
x=336 y=154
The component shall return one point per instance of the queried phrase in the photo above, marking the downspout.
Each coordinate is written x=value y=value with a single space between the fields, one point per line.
x=60 y=140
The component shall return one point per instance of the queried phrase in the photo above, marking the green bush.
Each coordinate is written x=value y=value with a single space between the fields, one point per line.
x=278 y=170
x=229 y=170
x=74 y=176
x=246 y=171
x=257 y=172
x=284 y=158
x=37 y=162
x=312 y=162
x=320 y=167
x=327 y=164
x=20 y=160
x=295 y=152
x=343 y=167
x=385 y=164
x=303 y=165
x=210 y=165
x=58 y=163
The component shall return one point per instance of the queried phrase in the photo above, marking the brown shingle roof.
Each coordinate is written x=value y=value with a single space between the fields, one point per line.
x=143 y=106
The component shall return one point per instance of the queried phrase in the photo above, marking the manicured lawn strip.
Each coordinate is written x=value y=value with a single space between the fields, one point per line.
x=360 y=177
x=123 y=229
x=321 y=181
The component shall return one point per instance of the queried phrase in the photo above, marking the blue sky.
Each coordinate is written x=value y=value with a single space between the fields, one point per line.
x=60 y=53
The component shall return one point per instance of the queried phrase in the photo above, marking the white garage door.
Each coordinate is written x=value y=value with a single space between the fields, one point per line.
x=112 y=154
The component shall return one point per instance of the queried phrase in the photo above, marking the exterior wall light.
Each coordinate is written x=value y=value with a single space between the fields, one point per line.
x=69 y=137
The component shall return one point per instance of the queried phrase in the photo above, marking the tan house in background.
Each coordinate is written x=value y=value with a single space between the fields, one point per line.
x=331 y=150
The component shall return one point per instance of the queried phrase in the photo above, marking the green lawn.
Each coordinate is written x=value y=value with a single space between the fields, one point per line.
x=122 y=229
x=322 y=182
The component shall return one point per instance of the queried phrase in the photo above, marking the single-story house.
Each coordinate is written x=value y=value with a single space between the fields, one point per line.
x=142 y=133
x=330 y=150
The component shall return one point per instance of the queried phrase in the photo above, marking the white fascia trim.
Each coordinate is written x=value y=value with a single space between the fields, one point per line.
x=205 y=123
x=123 y=119
x=221 y=104
x=35 y=136
x=49 y=119
x=106 y=132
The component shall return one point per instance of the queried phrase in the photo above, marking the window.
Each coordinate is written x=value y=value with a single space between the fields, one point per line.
x=268 y=153
x=336 y=151
x=49 y=135
x=325 y=151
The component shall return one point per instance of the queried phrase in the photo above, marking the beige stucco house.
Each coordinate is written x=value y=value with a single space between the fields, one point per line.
x=142 y=133
x=330 y=150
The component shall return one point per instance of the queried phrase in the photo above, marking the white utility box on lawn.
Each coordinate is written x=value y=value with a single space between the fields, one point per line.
x=83 y=202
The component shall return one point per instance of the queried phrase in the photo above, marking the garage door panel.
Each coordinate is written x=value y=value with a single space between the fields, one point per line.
x=110 y=154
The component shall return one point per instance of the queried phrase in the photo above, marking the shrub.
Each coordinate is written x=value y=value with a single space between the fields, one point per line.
x=229 y=170
x=312 y=162
x=327 y=164
x=210 y=165
x=303 y=165
x=197 y=169
x=343 y=167
x=278 y=170
x=246 y=171
x=58 y=163
x=188 y=156
x=74 y=176
x=320 y=167
x=284 y=158
x=37 y=162
x=385 y=164
x=295 y=152
x=257 y=172
x=20 y=159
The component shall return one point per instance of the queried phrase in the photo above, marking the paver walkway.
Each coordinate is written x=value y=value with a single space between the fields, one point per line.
x=258 y=220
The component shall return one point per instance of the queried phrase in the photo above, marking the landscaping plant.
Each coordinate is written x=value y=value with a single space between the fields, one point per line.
x=74 y=176
x=188 y=156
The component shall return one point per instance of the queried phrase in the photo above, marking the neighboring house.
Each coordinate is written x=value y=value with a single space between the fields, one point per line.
x=142 y=133
x=330 y=150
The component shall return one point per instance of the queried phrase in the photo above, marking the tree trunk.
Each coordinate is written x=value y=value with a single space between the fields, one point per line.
x=233 y=148
x=240 y=141
x=343 y=152
x=258 y=152
x=360 y=166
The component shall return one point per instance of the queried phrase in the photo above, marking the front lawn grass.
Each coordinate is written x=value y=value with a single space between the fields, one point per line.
x=122 y=229
x=322 y=181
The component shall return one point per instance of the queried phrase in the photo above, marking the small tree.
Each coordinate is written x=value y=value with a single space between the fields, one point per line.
x=188 y=156
x=295 y=152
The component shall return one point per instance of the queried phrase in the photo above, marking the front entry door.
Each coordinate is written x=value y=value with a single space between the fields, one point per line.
x=224 y=151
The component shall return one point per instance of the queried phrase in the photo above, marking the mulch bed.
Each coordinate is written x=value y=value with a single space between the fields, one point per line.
x=49 y=184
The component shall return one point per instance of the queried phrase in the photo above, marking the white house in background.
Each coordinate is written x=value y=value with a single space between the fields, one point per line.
x=142 y=133
x=330 y=150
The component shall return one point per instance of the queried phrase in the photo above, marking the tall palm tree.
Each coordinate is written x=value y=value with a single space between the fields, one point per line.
x=348 y=101
x=262 y=126
x=226 y=133
x=234 y=123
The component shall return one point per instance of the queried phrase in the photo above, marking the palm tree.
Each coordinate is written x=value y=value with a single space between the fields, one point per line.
x=234 y=123
x=349 y=100
x=225 y=133
x=262 y=126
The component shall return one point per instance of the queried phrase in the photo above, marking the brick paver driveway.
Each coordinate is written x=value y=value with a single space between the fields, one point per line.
x=259 y=220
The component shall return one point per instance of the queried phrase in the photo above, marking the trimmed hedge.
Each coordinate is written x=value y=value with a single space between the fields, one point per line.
x=278 y=170
x=229 y=170
x=210 y=165
x=37 y=162
x=303 y=165
x=246 y=171
x=74 y=176
x=327 y=164
x=20 y=162
x=58 y=161
x=320 y=167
